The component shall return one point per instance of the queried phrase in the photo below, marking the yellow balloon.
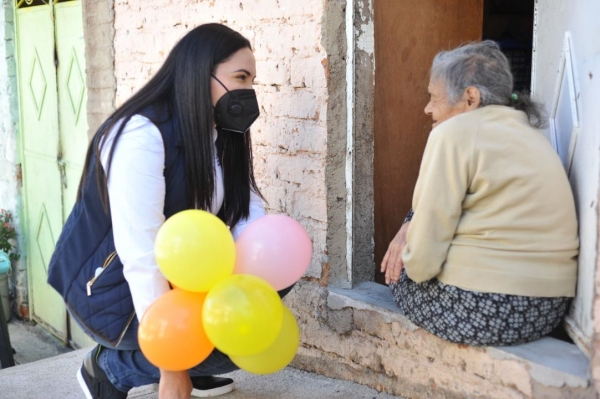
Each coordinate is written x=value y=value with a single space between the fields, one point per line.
x=242 y=315
x=278 y=355
x=195 y=250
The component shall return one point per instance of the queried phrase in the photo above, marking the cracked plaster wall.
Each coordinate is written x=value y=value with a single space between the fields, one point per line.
x=10 y=169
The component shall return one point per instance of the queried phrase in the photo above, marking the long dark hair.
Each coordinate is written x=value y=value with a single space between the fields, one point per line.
x=182 y=84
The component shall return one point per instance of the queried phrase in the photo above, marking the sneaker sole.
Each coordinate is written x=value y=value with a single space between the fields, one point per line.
x=196 y=393
x=211 y=393
x=83 y=385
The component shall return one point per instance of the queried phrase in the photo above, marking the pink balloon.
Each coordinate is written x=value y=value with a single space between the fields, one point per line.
x=275 y=248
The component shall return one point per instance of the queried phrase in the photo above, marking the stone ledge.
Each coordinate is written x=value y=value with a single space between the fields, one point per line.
x=551 y=362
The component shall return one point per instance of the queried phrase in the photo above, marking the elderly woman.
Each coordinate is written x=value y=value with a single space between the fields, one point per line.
x=489 y=257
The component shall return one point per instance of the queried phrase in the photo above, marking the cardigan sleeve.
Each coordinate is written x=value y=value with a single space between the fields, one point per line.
x=437 y=201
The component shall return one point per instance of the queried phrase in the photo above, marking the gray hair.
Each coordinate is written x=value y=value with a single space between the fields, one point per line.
x=482 y=65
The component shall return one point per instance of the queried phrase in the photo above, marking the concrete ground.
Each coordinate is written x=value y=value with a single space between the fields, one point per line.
x=31 y=342
x=46 y=369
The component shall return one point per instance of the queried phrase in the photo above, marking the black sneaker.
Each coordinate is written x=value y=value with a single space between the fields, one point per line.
x=93 y=380
x=209 y=386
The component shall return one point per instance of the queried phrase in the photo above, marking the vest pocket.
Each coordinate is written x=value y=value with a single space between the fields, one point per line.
x=98 y=272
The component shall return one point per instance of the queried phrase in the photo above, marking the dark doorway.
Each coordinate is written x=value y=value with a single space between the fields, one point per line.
x=510 y=24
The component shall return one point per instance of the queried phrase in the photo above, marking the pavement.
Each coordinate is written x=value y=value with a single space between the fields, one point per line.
x=31 y=342
x=46 y=369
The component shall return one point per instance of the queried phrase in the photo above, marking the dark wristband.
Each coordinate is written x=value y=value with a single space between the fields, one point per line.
x=408 y=217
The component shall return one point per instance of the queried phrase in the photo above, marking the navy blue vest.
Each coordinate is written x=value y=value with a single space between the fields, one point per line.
x=86 y=246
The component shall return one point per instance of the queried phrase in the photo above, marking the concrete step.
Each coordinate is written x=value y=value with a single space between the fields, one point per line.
x=55 y=378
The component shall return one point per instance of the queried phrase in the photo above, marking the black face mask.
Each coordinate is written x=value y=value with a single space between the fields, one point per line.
x=236 y=110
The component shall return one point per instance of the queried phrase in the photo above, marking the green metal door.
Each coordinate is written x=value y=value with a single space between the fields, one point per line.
x=72 y=115
x=72 y=98
x=52 y=97
x=40 y=144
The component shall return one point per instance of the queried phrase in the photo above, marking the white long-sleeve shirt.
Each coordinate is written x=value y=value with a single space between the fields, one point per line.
x=136 y=192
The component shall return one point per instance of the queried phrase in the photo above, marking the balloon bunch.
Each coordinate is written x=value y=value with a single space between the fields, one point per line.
x=225 y=293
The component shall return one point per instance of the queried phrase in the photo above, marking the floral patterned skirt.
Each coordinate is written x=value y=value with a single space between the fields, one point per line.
x=477 y=318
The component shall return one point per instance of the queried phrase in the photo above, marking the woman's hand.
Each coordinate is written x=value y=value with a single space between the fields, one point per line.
x=392 y=263
x=174 y=385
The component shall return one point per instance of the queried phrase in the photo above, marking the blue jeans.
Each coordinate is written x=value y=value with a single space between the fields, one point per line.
x=127 y=367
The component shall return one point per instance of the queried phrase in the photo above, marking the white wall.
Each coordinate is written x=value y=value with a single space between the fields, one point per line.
x=580 y=18
x=8 y=153
x=9 y=194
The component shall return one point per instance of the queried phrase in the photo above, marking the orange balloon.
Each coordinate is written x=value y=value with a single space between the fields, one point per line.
x=171 y=334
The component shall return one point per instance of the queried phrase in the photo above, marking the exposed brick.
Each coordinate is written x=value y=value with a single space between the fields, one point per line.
x=99 y=54
x=273 y=72
x=308 y=72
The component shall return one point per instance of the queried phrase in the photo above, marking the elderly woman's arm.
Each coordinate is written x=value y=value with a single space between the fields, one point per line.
x=392 y=261
x=437 y=201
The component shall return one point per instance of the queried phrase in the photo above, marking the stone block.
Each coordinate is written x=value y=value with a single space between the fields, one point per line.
x=292 y=103
x=294 y=8
x=309 y=72
x=100 y=37
x=273 y=72
x=342 y=321
x=100 y=79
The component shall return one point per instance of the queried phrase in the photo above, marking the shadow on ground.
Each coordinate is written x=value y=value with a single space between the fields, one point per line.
x=31 y=342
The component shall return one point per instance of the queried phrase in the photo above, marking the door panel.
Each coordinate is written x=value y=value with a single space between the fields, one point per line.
x=408 y=33
x=72 y=115
x=53 y=99
x=41 y=176
x=72 y=97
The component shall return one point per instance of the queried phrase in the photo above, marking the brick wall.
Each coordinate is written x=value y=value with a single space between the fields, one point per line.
x=290 y=137
x=9 y=161
x=99 y=34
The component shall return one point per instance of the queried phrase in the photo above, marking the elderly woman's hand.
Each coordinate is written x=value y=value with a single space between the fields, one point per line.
x=392 y=263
